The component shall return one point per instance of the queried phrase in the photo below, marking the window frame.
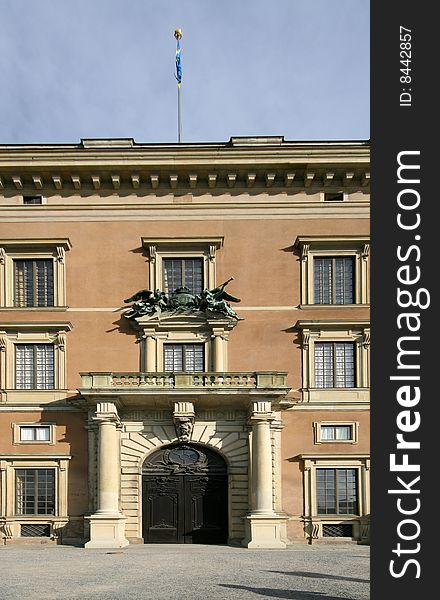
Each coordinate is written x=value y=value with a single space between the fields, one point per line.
x=35 y=372
x=310 y=464
x=51 y=333
x=358 y=248
x=335 y=365
x=317 y=432
x=16 y=433
x=36 y=496
x=183 y=344
x=33 y=249
x=33 y=196
x=334 y=283
x=159 y=249
x=34 y=283
x=356 y=332
x=183 y=259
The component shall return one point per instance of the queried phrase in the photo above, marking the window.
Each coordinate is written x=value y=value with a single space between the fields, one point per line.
x=34 y=367
x=336 y=432
x=336 y=491
x=330 y=433
x=334 y=365
x=333 y=196
x=184 y=357
x=334 y=270
x=32 y=200
x=33 y=272
x=35 y=491
x=34 y=433
x=182 y=272
x=333 y=280
x=335 y=361
x=33 y=283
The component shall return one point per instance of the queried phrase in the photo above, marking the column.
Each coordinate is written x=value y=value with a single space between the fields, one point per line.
x=107 y=524
x=264 y=528
x=150 y=351
x=219 y=363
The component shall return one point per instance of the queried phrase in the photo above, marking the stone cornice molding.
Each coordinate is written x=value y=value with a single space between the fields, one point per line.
x=259 y=162
x=58 y=243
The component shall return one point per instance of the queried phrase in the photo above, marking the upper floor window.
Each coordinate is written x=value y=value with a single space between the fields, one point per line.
x=337 y=491
x=34 y=367
x=184 y=357
x=33 y=283
x=183 y=272
x=32 y=199
x=34 y=433
x=334 y=365
x=35 y=491
x=333 y=280
x=336 y=433
x=33 y=272
x=334 y=270
x=333 y=196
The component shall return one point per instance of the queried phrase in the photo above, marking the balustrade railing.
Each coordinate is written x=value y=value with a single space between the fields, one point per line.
x=227 y=380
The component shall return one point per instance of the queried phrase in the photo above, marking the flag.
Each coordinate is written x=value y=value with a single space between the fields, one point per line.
x=178 y=64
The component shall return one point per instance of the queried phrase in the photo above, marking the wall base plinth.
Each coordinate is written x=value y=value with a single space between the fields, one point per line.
x=107 y=531
x=265 y=531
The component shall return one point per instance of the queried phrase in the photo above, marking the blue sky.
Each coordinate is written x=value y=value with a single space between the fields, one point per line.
x=72 y=69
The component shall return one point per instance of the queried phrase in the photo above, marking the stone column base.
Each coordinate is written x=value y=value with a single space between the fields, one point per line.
x=265 y=531
x=107 y=531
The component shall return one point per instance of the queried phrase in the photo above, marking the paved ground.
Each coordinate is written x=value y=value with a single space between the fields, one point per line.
x=166 y=572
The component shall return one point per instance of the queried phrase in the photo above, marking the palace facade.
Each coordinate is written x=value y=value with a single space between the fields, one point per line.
x=199 y=410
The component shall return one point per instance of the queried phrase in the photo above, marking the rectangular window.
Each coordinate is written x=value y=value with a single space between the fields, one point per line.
x=337 y=491
x=333 y=280
x=35 y=491
x=32 y=200
x=33 y=283
x=334 y=365
x=34 y=433
x=183 y=272
x=333 y=197
x=34 y=367
x=184 y=357
x=335 y=433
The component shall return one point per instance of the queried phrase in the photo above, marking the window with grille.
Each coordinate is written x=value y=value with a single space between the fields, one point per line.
x=34 y=367
x=333 y=280
x=335 y=433
x=183 y=272
x=184 y=357
x=33 y=283
x=337 y=491
x=35 y=491
x=334 y=365
x=34 y=433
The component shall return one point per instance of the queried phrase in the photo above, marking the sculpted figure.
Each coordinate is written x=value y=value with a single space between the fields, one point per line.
x=184 y=430
x=217 y=300
x=146 y=302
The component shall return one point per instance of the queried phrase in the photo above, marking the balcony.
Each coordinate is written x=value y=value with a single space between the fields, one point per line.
x=142 y=388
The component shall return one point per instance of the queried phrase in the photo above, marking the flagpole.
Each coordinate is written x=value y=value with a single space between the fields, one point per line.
x=179 y=115
x=178 y=36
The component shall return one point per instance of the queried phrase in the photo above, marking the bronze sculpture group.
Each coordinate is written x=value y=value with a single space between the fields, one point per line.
x=182 y=299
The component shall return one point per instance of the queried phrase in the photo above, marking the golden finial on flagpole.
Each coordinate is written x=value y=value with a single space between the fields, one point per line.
x=178 y=34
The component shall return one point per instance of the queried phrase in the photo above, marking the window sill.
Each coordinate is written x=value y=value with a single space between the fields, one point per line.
x=332 y=306
x=34 y=308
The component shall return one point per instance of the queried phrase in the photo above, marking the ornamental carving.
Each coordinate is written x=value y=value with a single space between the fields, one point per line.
x=212 y=302
x=184 y=428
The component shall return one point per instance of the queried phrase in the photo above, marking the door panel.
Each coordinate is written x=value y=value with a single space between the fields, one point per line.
x=184 y=506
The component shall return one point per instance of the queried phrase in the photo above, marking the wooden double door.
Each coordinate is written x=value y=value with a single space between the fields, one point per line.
x=185 y=497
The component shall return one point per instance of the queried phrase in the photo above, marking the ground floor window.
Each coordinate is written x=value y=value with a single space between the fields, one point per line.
x=337 y=491
x=35 y=491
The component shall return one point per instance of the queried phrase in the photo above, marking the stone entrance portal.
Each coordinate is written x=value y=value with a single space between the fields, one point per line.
x=185 y=496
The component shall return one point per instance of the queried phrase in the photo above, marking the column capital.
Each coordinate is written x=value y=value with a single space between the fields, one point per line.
x=106 y=412
x=261 y=411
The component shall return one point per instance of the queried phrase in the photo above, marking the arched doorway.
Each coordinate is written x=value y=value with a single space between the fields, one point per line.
x=185 y=496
